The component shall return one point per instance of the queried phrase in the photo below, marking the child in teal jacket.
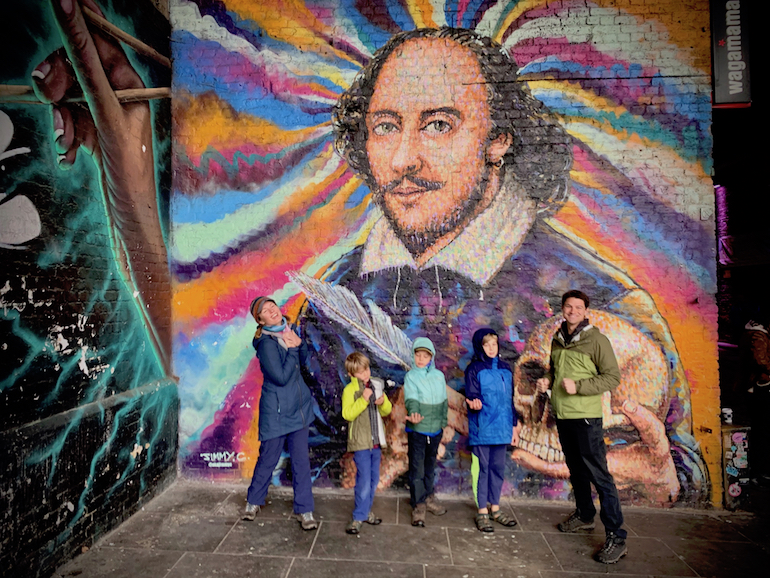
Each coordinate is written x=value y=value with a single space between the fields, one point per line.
x=426 y=408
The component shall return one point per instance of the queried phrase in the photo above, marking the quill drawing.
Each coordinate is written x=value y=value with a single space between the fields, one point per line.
x=376 y=331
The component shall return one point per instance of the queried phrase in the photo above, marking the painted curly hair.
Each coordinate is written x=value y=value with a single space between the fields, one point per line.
x=541 y=153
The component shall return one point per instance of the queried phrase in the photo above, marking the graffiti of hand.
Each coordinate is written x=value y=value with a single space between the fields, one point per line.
x=646 y=464
x=119 y=139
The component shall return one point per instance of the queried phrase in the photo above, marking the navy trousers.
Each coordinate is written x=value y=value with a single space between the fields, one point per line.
x=423 y=450
x=269 y=454
x=489 y=484
x=585 y=452
x=367 y=478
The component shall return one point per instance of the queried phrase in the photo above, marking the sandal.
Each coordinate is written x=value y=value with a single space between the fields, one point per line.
x=502 y=518
x=483 y=523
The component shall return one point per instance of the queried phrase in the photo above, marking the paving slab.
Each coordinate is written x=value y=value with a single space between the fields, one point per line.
x=682 y=525
x=204 y=565
x=383 y=543
x=718 y=559
x=304 y=568
x=119 y=563
x=171 y=531
x=265 y=537
x=433 y=571
x=505 y=548
x=646 y=556
x=190 y=498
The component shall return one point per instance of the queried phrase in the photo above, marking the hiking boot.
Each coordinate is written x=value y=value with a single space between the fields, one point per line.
x=613 y=550
x=354 y=527
x=434 y=506
x=250 y=512
x=483 y=523
x=373 y=520
x=307 y=521
x=575 y=524
x=418 y=515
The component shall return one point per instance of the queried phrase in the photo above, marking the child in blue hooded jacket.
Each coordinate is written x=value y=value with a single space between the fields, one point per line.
x=491 y=425
x=426 y=407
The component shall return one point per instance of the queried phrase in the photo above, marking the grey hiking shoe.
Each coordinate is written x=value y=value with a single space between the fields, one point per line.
x=354 y=527
x=373 y=520
x=250 y=512
x=434 y=506
x=613 y=550
x=307 y=521
x=418 y=515
x=575 y=524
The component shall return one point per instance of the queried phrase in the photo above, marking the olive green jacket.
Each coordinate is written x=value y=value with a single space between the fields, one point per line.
x=355 y=410
x=588 y=360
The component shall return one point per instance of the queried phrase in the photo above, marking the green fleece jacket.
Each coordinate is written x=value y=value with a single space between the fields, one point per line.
x=587 y=359
x=355 y=410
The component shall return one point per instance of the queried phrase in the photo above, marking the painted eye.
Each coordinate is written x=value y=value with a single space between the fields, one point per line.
x=384 y=128
x=436 y=127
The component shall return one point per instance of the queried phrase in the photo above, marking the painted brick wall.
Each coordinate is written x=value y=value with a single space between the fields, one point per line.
x=259 y=192
x=89 y=429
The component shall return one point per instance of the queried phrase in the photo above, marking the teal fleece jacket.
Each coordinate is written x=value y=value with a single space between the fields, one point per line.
x=425 y=393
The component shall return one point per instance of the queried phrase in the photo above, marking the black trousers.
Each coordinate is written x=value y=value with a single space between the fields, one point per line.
x=585 y=452
x=423 y=452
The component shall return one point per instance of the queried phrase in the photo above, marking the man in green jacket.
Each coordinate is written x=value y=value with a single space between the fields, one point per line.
x=583 y=367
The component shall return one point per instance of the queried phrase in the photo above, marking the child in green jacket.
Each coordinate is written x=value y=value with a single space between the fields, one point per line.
x=426 y=408
x=364 y=404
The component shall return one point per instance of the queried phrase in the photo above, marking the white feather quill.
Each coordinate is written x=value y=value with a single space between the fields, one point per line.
x=375 y=330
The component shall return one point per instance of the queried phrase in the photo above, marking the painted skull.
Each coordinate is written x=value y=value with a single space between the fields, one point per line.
x=644 y=380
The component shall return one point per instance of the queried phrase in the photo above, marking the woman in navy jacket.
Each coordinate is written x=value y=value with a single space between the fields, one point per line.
x=491 y=425
x=285 y=411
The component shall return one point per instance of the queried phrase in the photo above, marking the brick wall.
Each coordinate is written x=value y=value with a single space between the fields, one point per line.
x=89 y=415
x=260 y=192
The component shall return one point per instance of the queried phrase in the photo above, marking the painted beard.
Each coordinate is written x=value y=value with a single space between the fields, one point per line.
x=417 y=241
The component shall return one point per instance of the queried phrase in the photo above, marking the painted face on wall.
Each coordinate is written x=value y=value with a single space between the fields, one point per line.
x=428 y=124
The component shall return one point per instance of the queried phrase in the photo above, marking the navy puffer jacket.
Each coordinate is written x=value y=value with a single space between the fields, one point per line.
x=491 y=381
x=286 y=404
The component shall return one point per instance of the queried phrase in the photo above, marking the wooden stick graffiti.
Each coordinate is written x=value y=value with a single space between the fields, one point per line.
x=10 y=93
x=19 y=93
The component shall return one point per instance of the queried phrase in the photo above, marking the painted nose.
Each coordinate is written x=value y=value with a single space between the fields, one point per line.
x=406 y=156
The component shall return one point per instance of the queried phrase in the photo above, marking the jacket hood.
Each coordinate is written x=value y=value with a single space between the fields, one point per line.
x=424 y=343
x=478 y=347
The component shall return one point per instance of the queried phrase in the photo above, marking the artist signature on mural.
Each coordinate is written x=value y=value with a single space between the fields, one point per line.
x=222 y=459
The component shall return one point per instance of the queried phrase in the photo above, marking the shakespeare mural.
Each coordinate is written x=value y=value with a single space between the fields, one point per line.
x=394 y=170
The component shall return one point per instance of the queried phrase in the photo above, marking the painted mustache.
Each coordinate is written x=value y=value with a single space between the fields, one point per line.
x=422 y=183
